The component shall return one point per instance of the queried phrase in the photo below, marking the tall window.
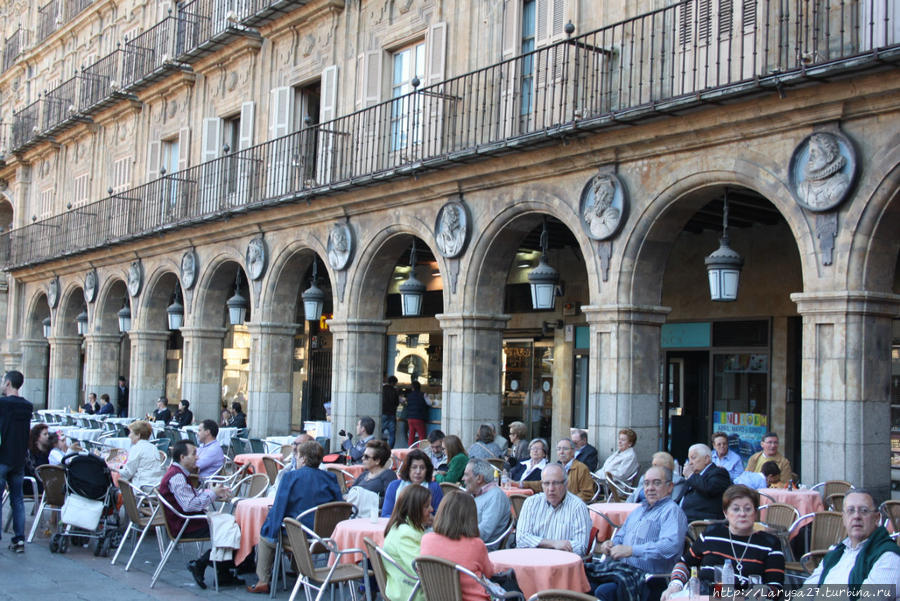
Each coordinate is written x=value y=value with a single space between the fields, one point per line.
x=231 y=137
x=169 y=161
x=406 y=120
x=528 y=62
x=307 y=100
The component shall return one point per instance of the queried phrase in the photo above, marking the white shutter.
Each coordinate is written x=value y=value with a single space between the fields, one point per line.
x=245 y=136
x=512 y=45
x=121 y=175
x=369 y=84
x=280 y=111
x=153 y=160
x=435 y=60
x=184 y=148
x=246 y=175
x=327 y=112
x=541 y=30
x=212 y=138
x=372 y=78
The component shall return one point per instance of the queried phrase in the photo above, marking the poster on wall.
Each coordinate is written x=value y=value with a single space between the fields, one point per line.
x=744 y=430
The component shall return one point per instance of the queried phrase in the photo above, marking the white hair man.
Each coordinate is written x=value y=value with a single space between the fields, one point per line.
x=706 y=483
x=492 y=503
x=555 y=518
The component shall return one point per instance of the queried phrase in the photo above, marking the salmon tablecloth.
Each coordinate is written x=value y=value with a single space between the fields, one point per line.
x=518 y=491
x=541 y=569
x=400 y=454
x=617 y=512
x=250 y=515
x=255 y=460
x=353 y=470
x=349 y=534
x=804 y=500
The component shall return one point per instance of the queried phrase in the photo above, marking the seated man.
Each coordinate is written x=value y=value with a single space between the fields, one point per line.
x=725 y=457
x=867 y=556
x=289 y=459
x=210 y=456
x=299 y=490
x=661 y=459
x=365 y=431
x=161 y=414
x=706 y=483
x=578 y=477
x=770 y=453
x=184 y=416
x=652 y=538
x=492 y=503
x=435 y=450
x=555 y=518
x=238 y=417
x=176 y=489
x=106 y=407
x=584 y=452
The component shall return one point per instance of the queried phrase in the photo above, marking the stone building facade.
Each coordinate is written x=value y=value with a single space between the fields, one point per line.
x=206 y=148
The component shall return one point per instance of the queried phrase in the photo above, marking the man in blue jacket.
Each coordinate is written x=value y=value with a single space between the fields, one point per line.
x=15 y=419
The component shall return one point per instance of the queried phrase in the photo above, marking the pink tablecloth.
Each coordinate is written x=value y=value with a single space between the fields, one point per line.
x=541 y=569
x=400 y=454
x=617 y=512
x=256 y=460
x=250 y=515
x=518 y=491
x=806 y=501
x=349 y=534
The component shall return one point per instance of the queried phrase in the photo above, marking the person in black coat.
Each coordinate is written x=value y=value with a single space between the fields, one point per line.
x=184 y=416
x=238 y=418
x=706 y=483
x=584 y=452
x=122 y=397
x=162 y=414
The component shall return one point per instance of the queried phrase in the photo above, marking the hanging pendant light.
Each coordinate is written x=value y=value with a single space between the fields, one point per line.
x=124 y=315
x=412 y=290
x=175 y=311
x=45 y=324
x=543 y=278
x=237 y=304
x=313 y=297
x=81 y=322
x=723 y=266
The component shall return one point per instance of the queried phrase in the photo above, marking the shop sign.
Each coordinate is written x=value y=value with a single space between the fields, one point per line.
x=745 y=431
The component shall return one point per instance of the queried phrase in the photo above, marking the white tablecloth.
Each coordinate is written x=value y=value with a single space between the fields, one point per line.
x=121 y=420
x=118 y=443
x=224 y=436
x=316 y=429
x=74 y=432
x=274 y=443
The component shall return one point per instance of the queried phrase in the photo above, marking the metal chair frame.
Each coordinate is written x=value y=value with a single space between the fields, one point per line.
x=135 y=501
x=175 y=539
x=53 y=478
x=377 y=557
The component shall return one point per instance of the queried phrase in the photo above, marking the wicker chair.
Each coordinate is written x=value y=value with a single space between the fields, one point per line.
x=54 y=479
x=827 y=529
x=560 y=595
x=516 y=501
x=377 y=557
x=273 y=466
x=830 y=487
x=779 y=517
x=143 y=514
x=440 y=579
x=891 y=512
x=345 y=479
x=449 y=487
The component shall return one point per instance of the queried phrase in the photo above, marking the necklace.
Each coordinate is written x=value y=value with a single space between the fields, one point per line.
x=739 y=565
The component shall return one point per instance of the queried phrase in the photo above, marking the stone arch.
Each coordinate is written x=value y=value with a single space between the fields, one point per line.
x=71 y=303
x=214 y=286
x=35 y=349
x=37 y=309
x=105 y=319
x=156 y=297
x=285 y=279
x=7 y=212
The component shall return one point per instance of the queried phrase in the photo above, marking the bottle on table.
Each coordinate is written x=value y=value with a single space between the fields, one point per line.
x=693 y=584
x=728 y=576
x=504 y=479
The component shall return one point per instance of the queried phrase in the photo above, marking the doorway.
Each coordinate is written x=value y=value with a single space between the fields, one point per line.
x=528 y=385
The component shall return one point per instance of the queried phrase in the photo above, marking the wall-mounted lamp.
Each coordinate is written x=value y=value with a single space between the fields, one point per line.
x=124 y=315
x=313 y=297
x=237 y=304
x=543 y=278
x=175 y=311
x=412 y=290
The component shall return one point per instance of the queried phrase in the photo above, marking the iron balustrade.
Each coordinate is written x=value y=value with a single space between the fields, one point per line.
x=74 y=7
x=59 y=104
x=203 y=20
x=49 y=20
x=675 y=57
x=100 y=80
x=152 y=50
x=25 y=125
x=12 y=47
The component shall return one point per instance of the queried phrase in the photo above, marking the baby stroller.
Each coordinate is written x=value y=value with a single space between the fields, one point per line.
x=89 y=511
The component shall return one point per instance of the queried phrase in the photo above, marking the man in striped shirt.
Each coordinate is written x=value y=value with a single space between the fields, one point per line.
x=555 y=518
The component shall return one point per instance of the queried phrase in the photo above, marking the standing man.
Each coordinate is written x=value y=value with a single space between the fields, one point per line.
x=706 y=483
x=15 y=419
x=725 y=457
x=210 y=456
x=491 y=502
x=122 y=397
x=770 y=453
x=390 y=399
x=584 y=452
x=555 y=518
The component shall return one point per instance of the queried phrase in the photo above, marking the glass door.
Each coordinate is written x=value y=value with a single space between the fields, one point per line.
x=528 y=385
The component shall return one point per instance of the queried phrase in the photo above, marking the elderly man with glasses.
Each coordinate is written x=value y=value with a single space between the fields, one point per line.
x=491 y=502
x=578 y=476
x=868 y=556
x=650 y=541
x=555 y=518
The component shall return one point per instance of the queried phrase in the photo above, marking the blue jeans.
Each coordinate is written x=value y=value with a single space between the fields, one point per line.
x=14 y=478
x=389 y=425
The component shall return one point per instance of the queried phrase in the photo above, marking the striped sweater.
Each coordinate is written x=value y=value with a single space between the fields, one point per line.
x=763 y=557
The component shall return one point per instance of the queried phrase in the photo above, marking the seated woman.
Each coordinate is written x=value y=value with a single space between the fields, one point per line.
x=416 y=469
x=518 y=444
x=38 y=454
x=184 y=416
x=377 y=476
x=484 y=446
x=143 y=468
x=755 y=556
x=622 y=464
x=456 y=538
x=58 y=448
x=530 y=470
x=456 y=460
x=411 y=515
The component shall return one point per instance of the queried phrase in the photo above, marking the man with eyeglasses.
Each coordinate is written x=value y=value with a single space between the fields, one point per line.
x=578 y=476
x=868 y=556
x=555 y=518
x=770 y=453
x=650 y=541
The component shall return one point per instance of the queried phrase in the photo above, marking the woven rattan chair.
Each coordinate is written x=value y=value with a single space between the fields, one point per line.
x=449 y=487
x=778 y=518
x=891 y=512
x=440 y=579
x=344 y=478
x=517 y=500
x=378 y=557
x=827 y=529
x=54 y=479
x=179 y=537
x=272 y=466
x=143 y=514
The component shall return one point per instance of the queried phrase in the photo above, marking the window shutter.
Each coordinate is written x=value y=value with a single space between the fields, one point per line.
x=280 y=111
x=184 y=148
x=212 y=138
x=245 y=136
x=327 y=112
x=372 y=78
x=541 y=29
x=153 y=160
x=512 y=28
x=685 y=24
x=437 y=51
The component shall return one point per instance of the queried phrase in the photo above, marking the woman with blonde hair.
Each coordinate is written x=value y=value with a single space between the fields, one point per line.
x=143 y=468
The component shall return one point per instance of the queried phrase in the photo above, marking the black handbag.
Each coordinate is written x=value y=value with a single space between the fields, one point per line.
x=506 y=580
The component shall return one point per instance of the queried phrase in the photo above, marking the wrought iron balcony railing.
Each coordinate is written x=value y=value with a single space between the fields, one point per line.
x=74 y=7
x=49 y=20
x=25 y=125
x=101 y=82
x=59 y=105
x=670 y=59
x=12 y=48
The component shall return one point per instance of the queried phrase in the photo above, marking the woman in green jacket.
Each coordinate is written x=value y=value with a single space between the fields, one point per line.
x=402 y=538
x=456 y=460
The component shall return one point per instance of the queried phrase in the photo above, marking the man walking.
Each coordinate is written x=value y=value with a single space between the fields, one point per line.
x=390 y=399
x=15 y=419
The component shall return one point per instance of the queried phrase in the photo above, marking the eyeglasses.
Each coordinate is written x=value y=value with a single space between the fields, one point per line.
x=741 y=510
x=553 y=482
x=654 y=483
x=862 y=511
x=368 y=457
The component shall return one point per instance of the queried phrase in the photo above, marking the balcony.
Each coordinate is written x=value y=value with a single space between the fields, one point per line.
x=73 y=8
x=260 y=12
x=100 y=83
x=666 y=61
x=60 y=108
x=49 y=20
x=152 y=55
x=12 y=48
x=25 y=127
x=208 y=25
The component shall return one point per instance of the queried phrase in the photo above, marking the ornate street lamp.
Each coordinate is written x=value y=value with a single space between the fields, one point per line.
x=313 y=297
x=412 y=290
x=46 y=325
x=175 y=311
x=724 y=265
x=81 y=321
x=237 y=304
x=124 y=315
x=543 y=278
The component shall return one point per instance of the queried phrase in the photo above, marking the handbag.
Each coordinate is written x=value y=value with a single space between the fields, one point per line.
x=81 y=512
x=505 y=585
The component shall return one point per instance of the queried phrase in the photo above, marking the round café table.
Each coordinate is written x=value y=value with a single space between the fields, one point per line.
x=349 y=534
x=617 y=512
x=514 y=490
x=541 y=569
x=250 y=515
x=255 y=460
x=804 y=500
x=353 y=470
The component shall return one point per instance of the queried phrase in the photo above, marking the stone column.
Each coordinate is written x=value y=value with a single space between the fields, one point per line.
x=201 y=373
x=270 y=388
x=101 y=359
x=65 y=353
x=473 y=347
x=147 y=372
x=624 y=375
x=357 y=365
x=846 y=385
x=34 y=367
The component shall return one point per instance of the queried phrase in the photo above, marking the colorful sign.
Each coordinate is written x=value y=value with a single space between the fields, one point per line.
x=744 y=430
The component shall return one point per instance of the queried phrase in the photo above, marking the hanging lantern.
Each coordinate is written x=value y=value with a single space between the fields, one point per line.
x=124 y=315
x=313 y=297
x=412 y=290
x=543 y=278
x=237 y=304
x=175 y=311
x=724 y=265
x=45 y=323
x=81 y=321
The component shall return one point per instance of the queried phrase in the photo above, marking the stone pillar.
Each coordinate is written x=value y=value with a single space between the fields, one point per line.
x=65 y=353
x=270 y=388
x=846 y=362
x=34 y=367
x=473 y=347
x=201 y=373
x=147 y=372
x=101 y=359
x=357 y=365
x=625 y=375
